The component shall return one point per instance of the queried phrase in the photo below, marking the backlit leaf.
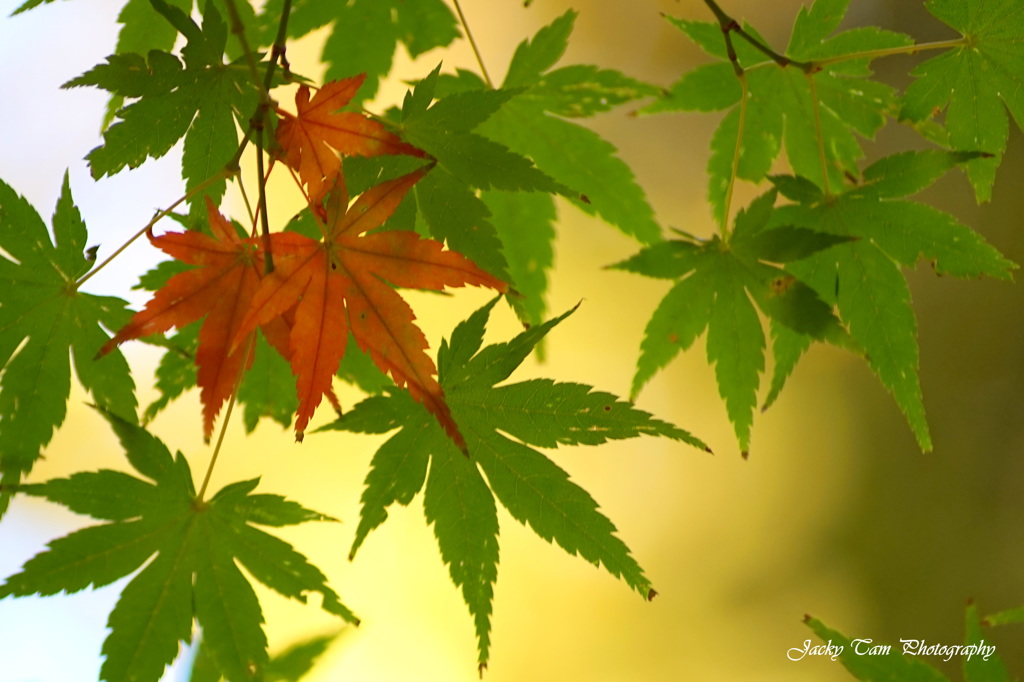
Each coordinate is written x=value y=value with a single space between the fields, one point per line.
x=44 y=321
x=500 y=424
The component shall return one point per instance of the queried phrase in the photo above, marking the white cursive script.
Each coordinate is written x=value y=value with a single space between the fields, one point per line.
x=918 y=647
x=831 y=650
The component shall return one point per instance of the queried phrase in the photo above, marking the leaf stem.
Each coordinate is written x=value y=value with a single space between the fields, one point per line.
x=823 y=160
x=727 y=204
x=250 y=59
x=227 y=419
x=891 y=51
x=216 y=177
x=472 y=42
x=261 y=206
x=257 y=124
x=728 y=25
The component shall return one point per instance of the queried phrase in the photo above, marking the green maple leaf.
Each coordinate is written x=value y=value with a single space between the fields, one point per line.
x=447 y=199
x=444 y=130
x=189 y=550
x=897 y=663
x=525 y=224
x=44 y=322
x=534 y=120
x=975 y=82
x=717 y=284
x=501 y=425
x=863 y=277
x=199 y=99
x=535 y=124
x=785 y=105
x=291 y=665
x=365 y=33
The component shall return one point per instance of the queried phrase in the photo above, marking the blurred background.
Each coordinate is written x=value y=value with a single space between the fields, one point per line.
x=836 y=513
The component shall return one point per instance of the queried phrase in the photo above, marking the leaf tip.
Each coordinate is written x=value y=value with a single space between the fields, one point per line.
x=481 y=668
x=745 y=454
x=651 y=594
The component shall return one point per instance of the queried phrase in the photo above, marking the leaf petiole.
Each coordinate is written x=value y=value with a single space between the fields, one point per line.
x=223 y=174
x=227 y=418
x=818 y=133
x=472 y=42
x=727 y=204
x=892 y=51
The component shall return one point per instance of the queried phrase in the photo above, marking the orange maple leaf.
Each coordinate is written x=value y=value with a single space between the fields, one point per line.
x=220 y=289
x=343 y=283
x=311 y=139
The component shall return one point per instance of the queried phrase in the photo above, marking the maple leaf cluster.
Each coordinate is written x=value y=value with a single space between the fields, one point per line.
x=308 y=295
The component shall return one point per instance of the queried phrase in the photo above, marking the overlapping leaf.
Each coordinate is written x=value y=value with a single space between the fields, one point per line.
x=291 y=665
x=500 y=424
x=975 y=82
x=219 y=291
x=344 y=284
x=813 y=112
x=529 y=117
x=715 y=284
x=44 y=322
x=200 y=100
x=365 y=33
x=534 y=124
x=189 y=551
x=863 y=278
x=312 y=138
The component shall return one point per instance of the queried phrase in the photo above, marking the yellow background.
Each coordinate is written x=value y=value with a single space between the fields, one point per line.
x=836 y=513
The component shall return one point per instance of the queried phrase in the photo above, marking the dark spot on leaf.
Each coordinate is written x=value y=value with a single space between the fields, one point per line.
x=607 y=408
x=781 y=285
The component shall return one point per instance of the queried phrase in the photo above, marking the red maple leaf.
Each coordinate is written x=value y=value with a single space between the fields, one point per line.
x=220 y=289
x=311 y=139
x=343 y=284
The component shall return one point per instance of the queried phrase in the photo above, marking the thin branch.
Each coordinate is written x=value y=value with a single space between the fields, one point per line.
x=730 y=25
x=472 y=42
x=248 y=207
x=261 y=206
x=227 y=419
x=257 y=124
x=216 y=177
x=250 y=58
x=277 y=51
